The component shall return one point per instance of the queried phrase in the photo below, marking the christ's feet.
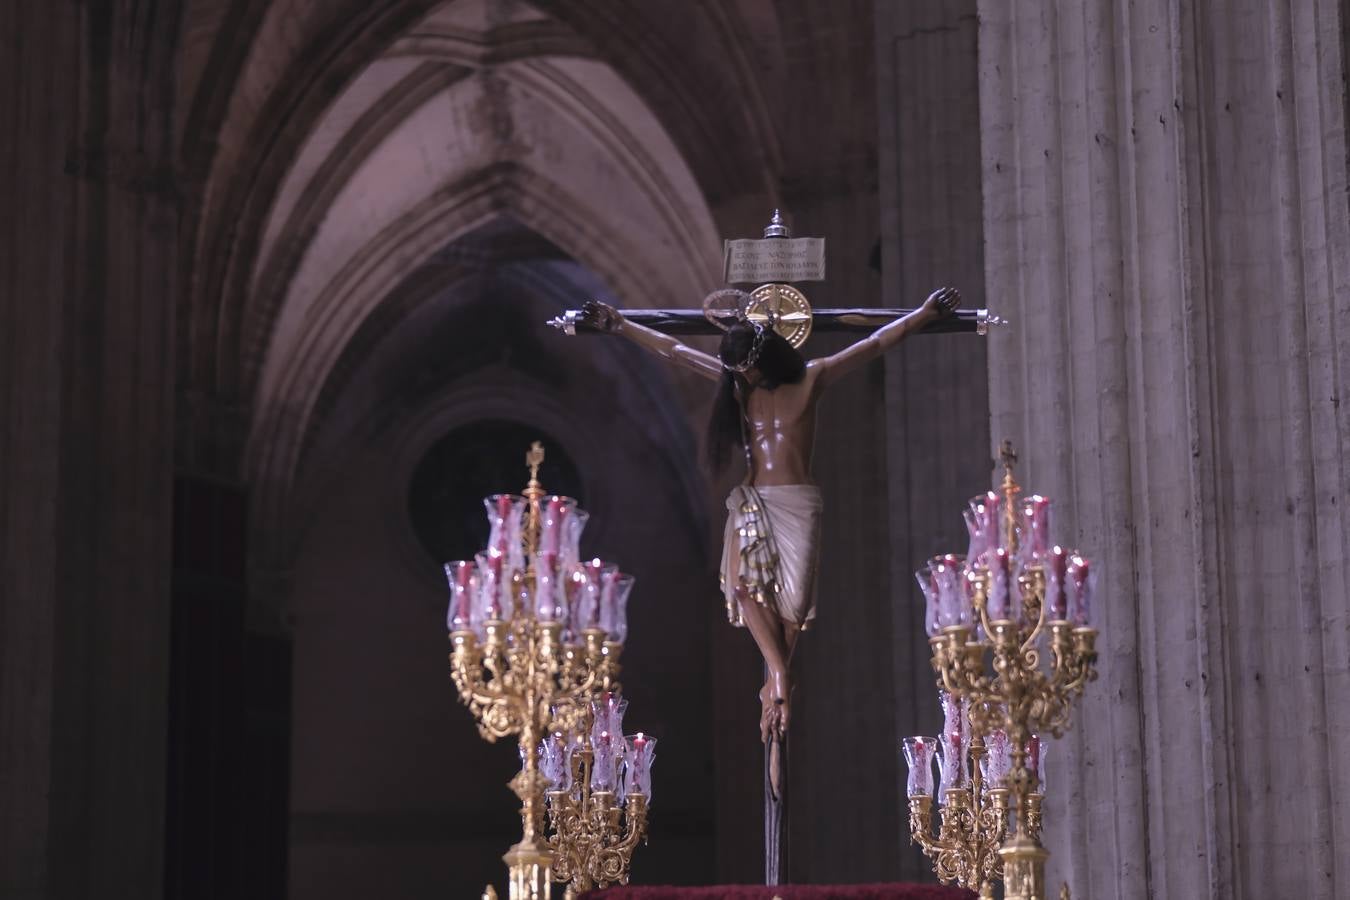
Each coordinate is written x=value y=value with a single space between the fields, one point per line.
x=768 y=712
x=782 y=694
x=774 y=708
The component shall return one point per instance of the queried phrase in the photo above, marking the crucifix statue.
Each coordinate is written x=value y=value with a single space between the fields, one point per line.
x=765 y=409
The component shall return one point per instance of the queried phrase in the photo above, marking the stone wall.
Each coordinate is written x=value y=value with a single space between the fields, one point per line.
x=87 y=292
x=1166 y=223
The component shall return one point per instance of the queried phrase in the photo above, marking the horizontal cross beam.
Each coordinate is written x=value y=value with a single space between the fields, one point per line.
x=861 y=319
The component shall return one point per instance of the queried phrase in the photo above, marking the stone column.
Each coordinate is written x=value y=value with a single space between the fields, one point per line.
x=87 y=262
x=1166 y=222
x=937 y=398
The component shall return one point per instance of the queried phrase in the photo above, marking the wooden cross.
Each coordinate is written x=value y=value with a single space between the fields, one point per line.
x=774 y=263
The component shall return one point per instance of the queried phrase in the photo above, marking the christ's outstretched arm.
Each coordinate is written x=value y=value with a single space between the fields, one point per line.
x=942 y=302
x=609 y=320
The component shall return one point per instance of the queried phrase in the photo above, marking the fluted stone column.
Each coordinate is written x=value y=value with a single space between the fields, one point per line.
x=1166 y=220
x=87 y=258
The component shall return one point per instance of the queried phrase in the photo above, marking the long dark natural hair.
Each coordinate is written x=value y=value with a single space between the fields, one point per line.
x=778 y=363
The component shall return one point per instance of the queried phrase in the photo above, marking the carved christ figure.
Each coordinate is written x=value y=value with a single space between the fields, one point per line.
x=766 y=408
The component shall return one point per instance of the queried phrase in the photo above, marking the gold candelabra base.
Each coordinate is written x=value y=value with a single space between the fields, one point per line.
x=529 y=866
x=1023 y=868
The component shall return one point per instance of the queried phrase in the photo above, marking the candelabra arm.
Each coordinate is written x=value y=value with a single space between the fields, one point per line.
x=495 y=708
x=612 y=860
x=1033 y=591
x=635 y=825
x=980 y=597
x=958 y=662
x=601 y=665
x=921 y=827
x=944 y=662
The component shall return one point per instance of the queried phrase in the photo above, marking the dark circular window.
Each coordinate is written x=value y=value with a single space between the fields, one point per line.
x=445 y=496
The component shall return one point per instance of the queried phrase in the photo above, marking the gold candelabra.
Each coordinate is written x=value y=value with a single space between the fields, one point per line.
x=987 y=617
x=598 y=807
x=521 y=660
x=973 y=826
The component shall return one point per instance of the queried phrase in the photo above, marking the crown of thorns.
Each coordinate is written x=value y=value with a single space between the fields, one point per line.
x=756 y=348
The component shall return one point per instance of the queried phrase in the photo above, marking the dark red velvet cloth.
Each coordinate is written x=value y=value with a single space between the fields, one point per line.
x=786 y=891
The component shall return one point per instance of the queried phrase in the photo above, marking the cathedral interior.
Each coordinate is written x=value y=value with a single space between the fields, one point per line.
x=274 y=284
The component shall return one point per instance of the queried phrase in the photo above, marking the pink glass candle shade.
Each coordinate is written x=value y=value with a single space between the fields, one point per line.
x=932 y=623
x=553 y=514
x=1034 y=527
x=639 y=754
x=953 y=746
x=1078 y=586
x=1056 y=573
x=494 y=591
x=614 y=604
x=573 y=525
x=463 y=578
x=982 y=525
x=500 y=508
x=555 y=762
x=505 y=519
x=550 y=588
x=976 y=546
x=607 y=715
x=998 y=602
x=588 y=580
x=952 y=771
x=919 y=757
x=608 y=754
x=1036 y=762
x=953 y=714
x=949 y=574
x=998 y=763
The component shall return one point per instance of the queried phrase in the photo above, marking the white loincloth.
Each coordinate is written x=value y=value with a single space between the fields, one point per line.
x=771 y=545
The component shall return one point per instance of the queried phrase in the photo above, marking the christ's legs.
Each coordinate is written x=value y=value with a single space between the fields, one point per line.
x=767 y=630
x=790 y=634
x=775 y=639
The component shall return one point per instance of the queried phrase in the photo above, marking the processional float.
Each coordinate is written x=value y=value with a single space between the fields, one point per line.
x=536 y=633
x=544 y=672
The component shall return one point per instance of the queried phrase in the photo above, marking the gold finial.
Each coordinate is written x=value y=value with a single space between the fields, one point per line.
x=1064 y=891
x=490 y=892
x=534 y=459
x=533 y=491
x=1008 y=456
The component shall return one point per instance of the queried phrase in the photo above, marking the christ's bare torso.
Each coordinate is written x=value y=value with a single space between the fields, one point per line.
x=780 y=429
